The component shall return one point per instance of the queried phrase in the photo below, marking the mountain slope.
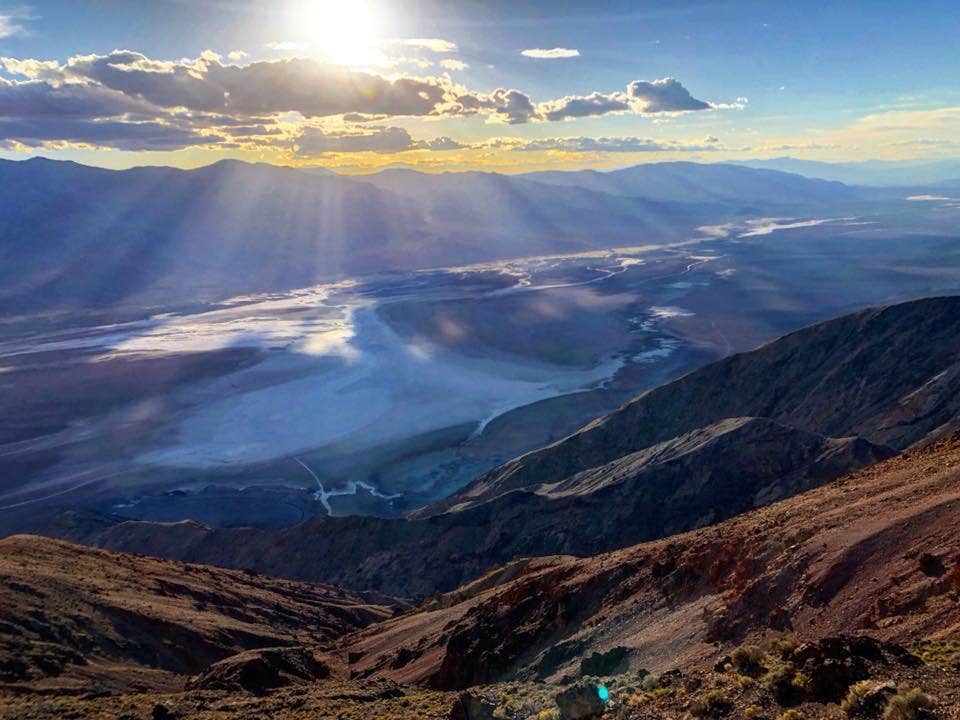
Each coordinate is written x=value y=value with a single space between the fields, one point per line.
x=688 y=483
x=741 y=432
x=877 y=551
x=875 y=554
x=889 y=375
x=75 y=616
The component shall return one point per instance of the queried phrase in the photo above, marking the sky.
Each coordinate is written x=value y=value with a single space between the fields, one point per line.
x=358 y=85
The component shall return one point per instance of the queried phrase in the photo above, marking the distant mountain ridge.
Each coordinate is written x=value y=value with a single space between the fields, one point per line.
x=77 y=237
x=880 y=173
x=697 y=182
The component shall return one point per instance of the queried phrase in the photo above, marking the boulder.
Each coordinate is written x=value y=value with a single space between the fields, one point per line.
x=580 y=702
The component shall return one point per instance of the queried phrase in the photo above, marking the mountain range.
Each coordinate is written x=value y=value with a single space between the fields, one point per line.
x=76 y=237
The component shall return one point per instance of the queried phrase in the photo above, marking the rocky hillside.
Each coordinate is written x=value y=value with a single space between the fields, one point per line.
x=689 y=481
x=737 y=434
x=876 y=552
x=842 y=602
x=74 y=618
x=890 y=375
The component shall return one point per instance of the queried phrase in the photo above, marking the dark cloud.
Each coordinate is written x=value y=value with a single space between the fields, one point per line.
x=666 y=95
x=309 y=87
x=38 y=98
x=577 y=107
x=120 y=135
x=514 y=107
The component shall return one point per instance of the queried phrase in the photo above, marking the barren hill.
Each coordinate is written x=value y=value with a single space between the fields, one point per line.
x=877 y=551
x=73 y=617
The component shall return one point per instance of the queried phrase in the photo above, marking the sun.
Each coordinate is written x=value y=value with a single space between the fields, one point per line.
x=346 y=32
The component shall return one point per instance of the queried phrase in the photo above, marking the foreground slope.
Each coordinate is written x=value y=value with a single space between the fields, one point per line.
x=877 y=551
x=863 y=574
x=731 y=436
x=79 y=618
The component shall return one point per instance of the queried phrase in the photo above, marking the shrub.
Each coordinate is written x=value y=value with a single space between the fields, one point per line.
x=785 y=682
x=792 y=714
x=908 y=704
x=783 y=647
x=942 y=653
x=865 y=699
x=713 y=704
x=748 y=660
x=650 y=683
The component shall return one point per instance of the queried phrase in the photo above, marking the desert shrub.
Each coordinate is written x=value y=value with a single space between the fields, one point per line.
x=713 y=704
x=856 y=700
x=908 y=704
x=752 y=712
x=942 y=653
x=782 y=647
x=748 y=660
x=792 y=714
x=650 y=683
x=865 y=699
x=785 y=682
x=745 y=681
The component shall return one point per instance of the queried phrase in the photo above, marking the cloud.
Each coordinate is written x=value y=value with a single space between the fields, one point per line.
x=551 y=54
x=626 y=144
x=39 y=98
x=194 y=101
x=439 y=143
x=120 y=135
x=237 y=55
x=451 y=64
x=515 y=107
x=9 y=24
x=317 y=141
x=577 y=107
x=308 y=86
x=436 y=45
x=666 y=95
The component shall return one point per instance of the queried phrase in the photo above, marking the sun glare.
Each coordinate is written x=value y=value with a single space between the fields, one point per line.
x=346 y=33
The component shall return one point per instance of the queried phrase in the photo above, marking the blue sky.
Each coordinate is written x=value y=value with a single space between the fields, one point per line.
x=822 y=80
